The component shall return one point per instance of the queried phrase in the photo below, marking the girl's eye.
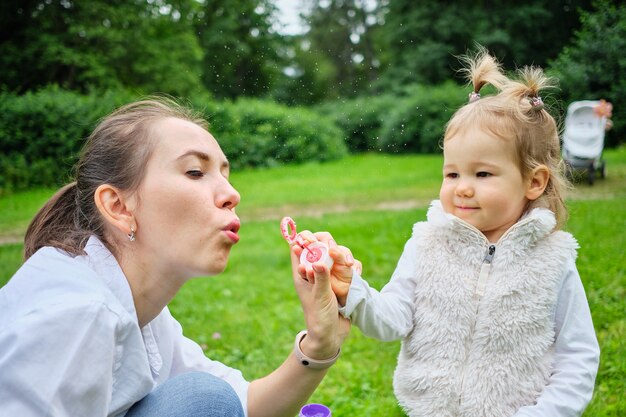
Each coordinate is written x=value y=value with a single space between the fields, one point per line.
x=452 y=175
x=483 y=174
x=195 y=173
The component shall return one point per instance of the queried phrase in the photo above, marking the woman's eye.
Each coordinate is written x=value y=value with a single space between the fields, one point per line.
x=483 y=174
x=195 y=173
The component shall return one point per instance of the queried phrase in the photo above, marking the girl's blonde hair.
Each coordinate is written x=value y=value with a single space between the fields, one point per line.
x=115 y=153
x=516 y=113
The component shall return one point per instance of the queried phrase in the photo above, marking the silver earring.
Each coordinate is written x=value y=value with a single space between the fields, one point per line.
x=131 y=235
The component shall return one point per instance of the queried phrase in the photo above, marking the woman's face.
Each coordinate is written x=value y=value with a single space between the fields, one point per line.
x=185 y=205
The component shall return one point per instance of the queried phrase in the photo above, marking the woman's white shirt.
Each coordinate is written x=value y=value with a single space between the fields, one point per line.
x=70 y=343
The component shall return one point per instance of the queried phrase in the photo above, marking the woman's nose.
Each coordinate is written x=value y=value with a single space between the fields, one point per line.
x=228 y=197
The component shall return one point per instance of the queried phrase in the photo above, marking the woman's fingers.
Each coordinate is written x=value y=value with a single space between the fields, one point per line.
x=295 y=252
x=309 y=236
x=323 y=237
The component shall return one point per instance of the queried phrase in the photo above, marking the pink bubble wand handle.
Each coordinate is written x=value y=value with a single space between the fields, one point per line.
x=314 y=251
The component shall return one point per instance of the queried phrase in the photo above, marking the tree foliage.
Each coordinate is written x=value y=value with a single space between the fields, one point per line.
x=146 y=45
x=240 y=47
x=423 y=38
x=352 y=48
x=360 y=47
x=337 y=56
x=593 y=66
x=233 y=49
x=343 y=31
x=309 y=76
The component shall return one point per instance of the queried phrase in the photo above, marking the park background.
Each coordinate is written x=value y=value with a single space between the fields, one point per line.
x=337 y=125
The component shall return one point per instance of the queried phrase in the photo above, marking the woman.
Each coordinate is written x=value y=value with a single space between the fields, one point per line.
x=85 y=329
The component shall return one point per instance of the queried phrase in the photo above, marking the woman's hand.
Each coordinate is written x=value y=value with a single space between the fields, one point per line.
x=321 y=291
x=326 y=328
x=283 y=392
x=343 y=267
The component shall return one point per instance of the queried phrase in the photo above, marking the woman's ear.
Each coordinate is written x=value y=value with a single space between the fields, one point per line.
x=114 y=208
x=538 y=182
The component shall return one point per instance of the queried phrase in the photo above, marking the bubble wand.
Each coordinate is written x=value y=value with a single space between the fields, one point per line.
x=313 y=251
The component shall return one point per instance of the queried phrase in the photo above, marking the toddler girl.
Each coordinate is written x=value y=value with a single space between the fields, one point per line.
x=486 y=297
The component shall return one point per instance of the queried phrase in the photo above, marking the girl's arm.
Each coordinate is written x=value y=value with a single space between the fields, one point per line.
x=576 y=355
x=386 y=315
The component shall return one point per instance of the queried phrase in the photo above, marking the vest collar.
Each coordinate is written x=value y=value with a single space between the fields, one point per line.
x=532 y=226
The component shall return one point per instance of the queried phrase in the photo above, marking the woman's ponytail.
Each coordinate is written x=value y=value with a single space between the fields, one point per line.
x=55 y=224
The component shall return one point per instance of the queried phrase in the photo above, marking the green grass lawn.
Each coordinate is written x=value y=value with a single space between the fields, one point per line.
x=369 y=203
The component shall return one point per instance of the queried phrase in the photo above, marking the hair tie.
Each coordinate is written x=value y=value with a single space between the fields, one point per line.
x=474 y=96
x=536 y=103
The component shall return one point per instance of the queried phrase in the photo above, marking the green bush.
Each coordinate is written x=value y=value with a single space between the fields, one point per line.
x=415 y=124
x=360 y=119
x=261 y=133
x=41 y=133
x=412 y=121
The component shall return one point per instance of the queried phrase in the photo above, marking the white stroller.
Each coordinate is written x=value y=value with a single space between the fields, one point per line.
x=583 y=138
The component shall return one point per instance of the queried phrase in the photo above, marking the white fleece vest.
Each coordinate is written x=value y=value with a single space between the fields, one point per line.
x=483 y=327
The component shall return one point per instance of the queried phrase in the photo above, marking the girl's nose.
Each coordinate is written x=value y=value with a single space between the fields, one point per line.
x=464 y=189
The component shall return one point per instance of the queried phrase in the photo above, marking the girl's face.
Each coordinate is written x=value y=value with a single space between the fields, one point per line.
x=185 y=206
x=482 y=183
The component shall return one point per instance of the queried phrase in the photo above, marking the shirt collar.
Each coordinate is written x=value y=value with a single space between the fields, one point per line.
x=109 y=271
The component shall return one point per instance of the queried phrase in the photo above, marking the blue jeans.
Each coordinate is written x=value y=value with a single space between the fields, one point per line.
x=187 y=395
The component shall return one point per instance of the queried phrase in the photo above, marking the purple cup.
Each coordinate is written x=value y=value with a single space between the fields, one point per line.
x=315 y=410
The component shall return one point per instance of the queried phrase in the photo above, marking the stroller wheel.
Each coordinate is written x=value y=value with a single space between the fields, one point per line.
x=603 y=170
x=591 y=175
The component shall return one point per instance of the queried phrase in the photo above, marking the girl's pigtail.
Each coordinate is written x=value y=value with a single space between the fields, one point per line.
x=481 y=69
x=527 y=89
x=539 y=139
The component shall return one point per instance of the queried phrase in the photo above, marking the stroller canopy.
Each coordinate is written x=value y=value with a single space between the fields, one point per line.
x=583 y=137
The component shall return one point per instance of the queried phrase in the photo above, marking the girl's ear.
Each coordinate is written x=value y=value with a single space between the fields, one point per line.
x=114 y=208
x=538 y=182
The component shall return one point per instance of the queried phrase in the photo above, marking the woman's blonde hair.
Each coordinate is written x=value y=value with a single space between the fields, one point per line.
x=115 y=153
x=516 y=113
